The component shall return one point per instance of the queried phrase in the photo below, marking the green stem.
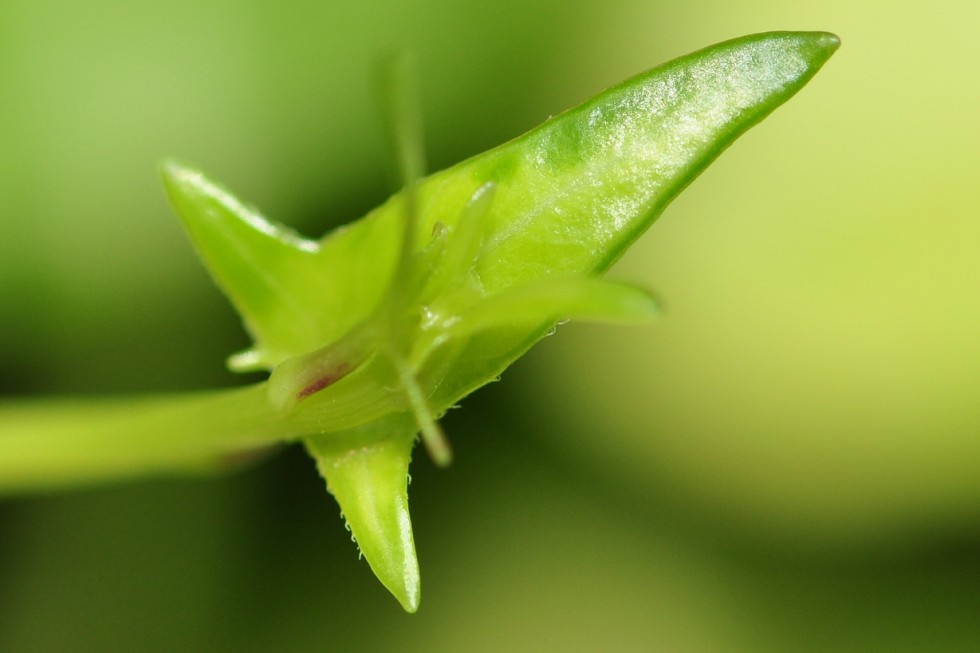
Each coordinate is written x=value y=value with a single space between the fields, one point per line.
x=56 y=443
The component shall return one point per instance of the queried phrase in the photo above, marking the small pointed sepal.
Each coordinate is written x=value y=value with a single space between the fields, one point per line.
x=366 y=470
x=257 y=263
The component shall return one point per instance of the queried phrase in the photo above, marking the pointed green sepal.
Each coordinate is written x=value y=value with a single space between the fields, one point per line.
x=255 y=262
x=551 y=300
x=367 y=472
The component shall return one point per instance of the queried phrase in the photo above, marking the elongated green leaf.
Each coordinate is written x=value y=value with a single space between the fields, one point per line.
x=573 y=193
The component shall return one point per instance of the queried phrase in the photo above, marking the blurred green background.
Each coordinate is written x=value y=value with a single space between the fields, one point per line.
x=789 y=461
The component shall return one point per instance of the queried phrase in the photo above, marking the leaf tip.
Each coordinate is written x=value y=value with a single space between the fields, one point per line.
x=819 y=46
x=169 y=167
x=827 y=40
x=177 y=176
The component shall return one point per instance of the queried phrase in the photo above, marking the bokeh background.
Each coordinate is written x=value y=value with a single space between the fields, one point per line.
x=788 y=461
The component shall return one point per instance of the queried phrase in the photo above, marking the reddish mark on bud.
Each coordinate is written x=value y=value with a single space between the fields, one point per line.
x=245 y=456
x=325 y=381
